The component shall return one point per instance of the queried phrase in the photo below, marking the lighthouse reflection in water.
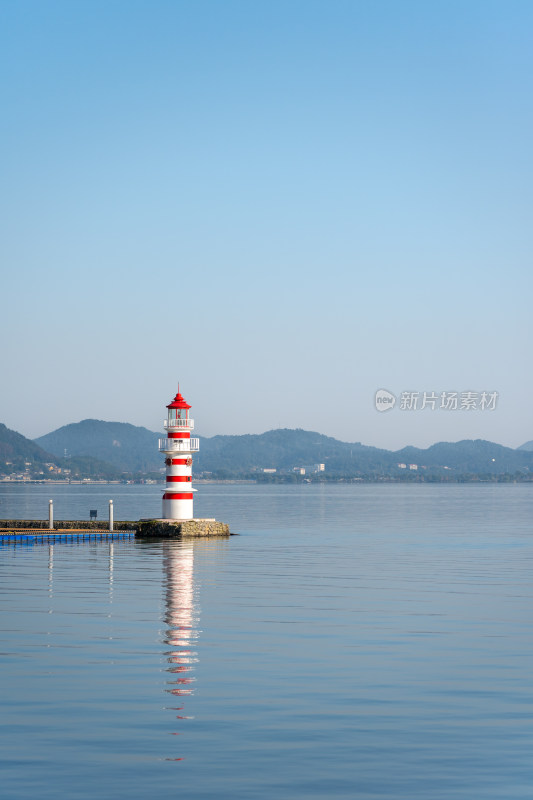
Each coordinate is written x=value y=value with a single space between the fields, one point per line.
x=181 y=618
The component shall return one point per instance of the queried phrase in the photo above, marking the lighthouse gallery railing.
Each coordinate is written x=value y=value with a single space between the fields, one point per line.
x=177 y=445
x=179 y=423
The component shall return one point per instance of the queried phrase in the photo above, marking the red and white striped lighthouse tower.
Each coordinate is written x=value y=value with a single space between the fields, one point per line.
x=178 y=448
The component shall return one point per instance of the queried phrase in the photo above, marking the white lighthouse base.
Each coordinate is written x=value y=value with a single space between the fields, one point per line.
x=177 y=509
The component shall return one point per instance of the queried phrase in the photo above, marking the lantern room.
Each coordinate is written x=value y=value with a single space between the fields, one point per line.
x=178 y=408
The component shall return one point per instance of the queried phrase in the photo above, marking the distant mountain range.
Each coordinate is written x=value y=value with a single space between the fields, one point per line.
x=94 y=448
x=285 y=449
x=135 y=449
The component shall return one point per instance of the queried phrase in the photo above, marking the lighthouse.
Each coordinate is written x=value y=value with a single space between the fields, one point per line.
x=177 y=519
x=178 y=448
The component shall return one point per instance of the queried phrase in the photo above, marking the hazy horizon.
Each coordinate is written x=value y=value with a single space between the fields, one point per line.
x=284 y=207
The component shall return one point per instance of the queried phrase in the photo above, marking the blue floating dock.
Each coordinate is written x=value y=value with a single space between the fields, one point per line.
x=64 y=536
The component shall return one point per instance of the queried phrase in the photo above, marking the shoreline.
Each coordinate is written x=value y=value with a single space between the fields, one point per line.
x=280 y=481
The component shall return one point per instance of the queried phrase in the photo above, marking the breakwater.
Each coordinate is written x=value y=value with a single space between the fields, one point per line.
x=145 y=528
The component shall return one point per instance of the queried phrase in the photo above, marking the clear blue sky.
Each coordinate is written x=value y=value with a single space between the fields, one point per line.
x=284 y=206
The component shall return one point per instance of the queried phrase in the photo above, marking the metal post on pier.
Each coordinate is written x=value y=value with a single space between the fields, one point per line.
x=51 y=515
x=110 y=515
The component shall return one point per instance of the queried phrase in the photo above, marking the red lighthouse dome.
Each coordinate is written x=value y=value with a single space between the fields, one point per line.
x=179 y=403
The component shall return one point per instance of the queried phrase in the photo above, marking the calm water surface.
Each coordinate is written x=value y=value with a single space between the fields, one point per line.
x=351 y=642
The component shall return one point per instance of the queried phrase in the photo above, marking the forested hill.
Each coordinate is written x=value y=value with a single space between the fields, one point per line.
x=286 y=448
x=128 y=447
x=22 y=458
x=526 y=446
x=470 y=456
x=16 y=450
